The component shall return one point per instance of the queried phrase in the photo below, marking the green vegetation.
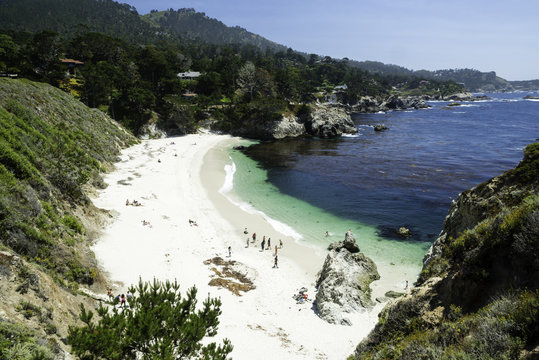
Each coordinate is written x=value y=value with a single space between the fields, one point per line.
x=501 y=330
x=158 y=324
x=473 y=80
x=18 y=342
x=528 y=169
x=51 y=146
x=131 y=65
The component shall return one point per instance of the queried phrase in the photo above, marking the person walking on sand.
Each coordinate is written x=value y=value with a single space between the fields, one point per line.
x=280 y=243
x=254 y=237
x=269 y=244
x=229 y=251
x=275 y=266
x=275 y=250
x=247 y=242
x=263 y=243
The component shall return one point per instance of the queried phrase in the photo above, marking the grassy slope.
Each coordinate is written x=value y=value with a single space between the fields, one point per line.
x=52 y=151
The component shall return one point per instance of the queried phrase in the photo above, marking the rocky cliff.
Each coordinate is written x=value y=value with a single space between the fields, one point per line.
x=477 y=295
x=322 y=121
x=343 y=284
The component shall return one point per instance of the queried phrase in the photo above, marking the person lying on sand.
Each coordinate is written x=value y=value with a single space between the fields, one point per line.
x=192 y=222
x=146 y=223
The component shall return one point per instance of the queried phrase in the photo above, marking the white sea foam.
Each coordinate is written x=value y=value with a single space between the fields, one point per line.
x=352 y=135
x=277 y=225
x=228 y=185
x=226 y=190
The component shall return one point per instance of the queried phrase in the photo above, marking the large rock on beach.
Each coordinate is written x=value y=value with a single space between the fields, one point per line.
x=344 y=282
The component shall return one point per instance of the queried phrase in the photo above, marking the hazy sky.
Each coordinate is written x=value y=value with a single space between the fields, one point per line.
x=487 y=35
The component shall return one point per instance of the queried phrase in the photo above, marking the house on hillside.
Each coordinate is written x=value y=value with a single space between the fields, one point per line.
x=189 y=75
x=72 y=65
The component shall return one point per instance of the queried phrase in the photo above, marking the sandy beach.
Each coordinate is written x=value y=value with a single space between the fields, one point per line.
x=181 y=179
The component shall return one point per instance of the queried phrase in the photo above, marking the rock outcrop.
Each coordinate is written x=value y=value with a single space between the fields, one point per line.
x=329 y=122
x=344 y=282
x=369 y=104
x=322 y=121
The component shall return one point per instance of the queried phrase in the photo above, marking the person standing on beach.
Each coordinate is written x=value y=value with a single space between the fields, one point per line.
x=254 y=237
x=275 y=266
x=263 y=243
x=275 y=250
x=269 y=244
x=229 y=251
x=247 y=242
x=280 y=243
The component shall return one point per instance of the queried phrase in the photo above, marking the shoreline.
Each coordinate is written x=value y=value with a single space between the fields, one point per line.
x=177 y=180
x=308 y=258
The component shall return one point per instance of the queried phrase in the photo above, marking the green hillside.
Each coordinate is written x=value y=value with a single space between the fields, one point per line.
x=51 y=147
x=473 y=80
x=70 y=18
x=193 y=25
x=122 y=21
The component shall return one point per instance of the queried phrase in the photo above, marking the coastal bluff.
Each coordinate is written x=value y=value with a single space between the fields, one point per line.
x=477 y=295
x=321 y=121
x=343 y=284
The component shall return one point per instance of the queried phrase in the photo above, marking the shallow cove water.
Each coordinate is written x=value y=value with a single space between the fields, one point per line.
x=375 y=182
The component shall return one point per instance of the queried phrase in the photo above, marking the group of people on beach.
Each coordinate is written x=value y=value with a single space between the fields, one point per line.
x=264 y=245
x=122 y=300
x=132 y=203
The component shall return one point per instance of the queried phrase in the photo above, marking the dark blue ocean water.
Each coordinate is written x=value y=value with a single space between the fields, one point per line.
x=407 y=175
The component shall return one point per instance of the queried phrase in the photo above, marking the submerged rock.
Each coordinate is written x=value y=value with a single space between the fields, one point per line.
x=344 y=282
x=380 y=127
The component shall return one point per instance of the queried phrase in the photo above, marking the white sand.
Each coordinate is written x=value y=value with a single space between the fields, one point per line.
x=178 y=179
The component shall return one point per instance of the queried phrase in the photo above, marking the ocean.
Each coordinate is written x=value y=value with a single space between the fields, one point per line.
x=375 y=182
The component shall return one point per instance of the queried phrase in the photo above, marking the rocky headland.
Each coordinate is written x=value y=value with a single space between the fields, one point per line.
x=344 y=282
x=323 y=121
x=477 y=295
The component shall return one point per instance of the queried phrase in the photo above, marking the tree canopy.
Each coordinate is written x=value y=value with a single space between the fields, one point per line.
x=158 y=323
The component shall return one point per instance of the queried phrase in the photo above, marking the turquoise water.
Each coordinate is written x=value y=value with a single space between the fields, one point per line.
x=308 y=224
x=375 y=182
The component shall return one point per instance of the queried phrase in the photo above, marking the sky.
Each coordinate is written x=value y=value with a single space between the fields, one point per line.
x=495 y=35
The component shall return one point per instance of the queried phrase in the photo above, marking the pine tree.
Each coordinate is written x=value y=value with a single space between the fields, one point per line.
x=158 y=324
